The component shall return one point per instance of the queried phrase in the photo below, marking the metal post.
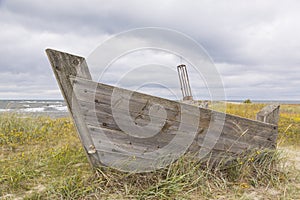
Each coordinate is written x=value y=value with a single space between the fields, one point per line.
x=184 y=82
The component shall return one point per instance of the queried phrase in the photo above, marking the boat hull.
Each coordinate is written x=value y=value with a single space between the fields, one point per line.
x=132 y=131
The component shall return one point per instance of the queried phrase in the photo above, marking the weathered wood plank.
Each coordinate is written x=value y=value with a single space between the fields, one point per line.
x=129 y=163
x=227 y=132
x=238 y=134
x=101 y=94
x=119 y=138
x=138 y=101
x=65 y=65
x=138 y=145
x=269 y=114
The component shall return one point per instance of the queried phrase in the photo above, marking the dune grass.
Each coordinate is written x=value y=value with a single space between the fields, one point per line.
x=42 y=158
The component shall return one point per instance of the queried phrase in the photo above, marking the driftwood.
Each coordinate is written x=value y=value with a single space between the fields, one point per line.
x=208 y=133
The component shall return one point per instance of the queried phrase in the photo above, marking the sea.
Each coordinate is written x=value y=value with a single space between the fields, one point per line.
x=52 y=108
x=58 y=108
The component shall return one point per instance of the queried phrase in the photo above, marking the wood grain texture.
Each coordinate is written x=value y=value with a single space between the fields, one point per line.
x=65 y=65
x=269 y=114
x=114 y=122
x=238 y=134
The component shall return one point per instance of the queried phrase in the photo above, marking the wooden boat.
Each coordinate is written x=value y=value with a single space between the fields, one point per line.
x=132 y=131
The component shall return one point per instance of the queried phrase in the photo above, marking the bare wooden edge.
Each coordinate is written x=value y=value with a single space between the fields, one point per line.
x=65 y=65
x=269 y=114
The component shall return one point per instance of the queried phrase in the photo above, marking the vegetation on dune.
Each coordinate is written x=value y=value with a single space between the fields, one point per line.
x=247 y=101
x=42 y=158
x=288 y=125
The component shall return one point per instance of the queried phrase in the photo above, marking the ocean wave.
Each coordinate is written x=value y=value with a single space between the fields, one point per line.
x=31 y=110
x=5 y=110
x=51 y=108
x=62 y=108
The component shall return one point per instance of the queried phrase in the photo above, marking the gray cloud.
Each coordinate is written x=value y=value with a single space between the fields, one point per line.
x=255 y=45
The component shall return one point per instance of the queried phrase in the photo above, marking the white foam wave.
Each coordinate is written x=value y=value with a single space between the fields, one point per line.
x=32 y=110
x=62 y=108
x=5 y=110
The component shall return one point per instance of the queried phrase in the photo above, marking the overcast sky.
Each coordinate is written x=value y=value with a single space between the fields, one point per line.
x=255 y=45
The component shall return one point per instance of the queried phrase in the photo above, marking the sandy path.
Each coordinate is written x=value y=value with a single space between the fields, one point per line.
x=293 y=156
